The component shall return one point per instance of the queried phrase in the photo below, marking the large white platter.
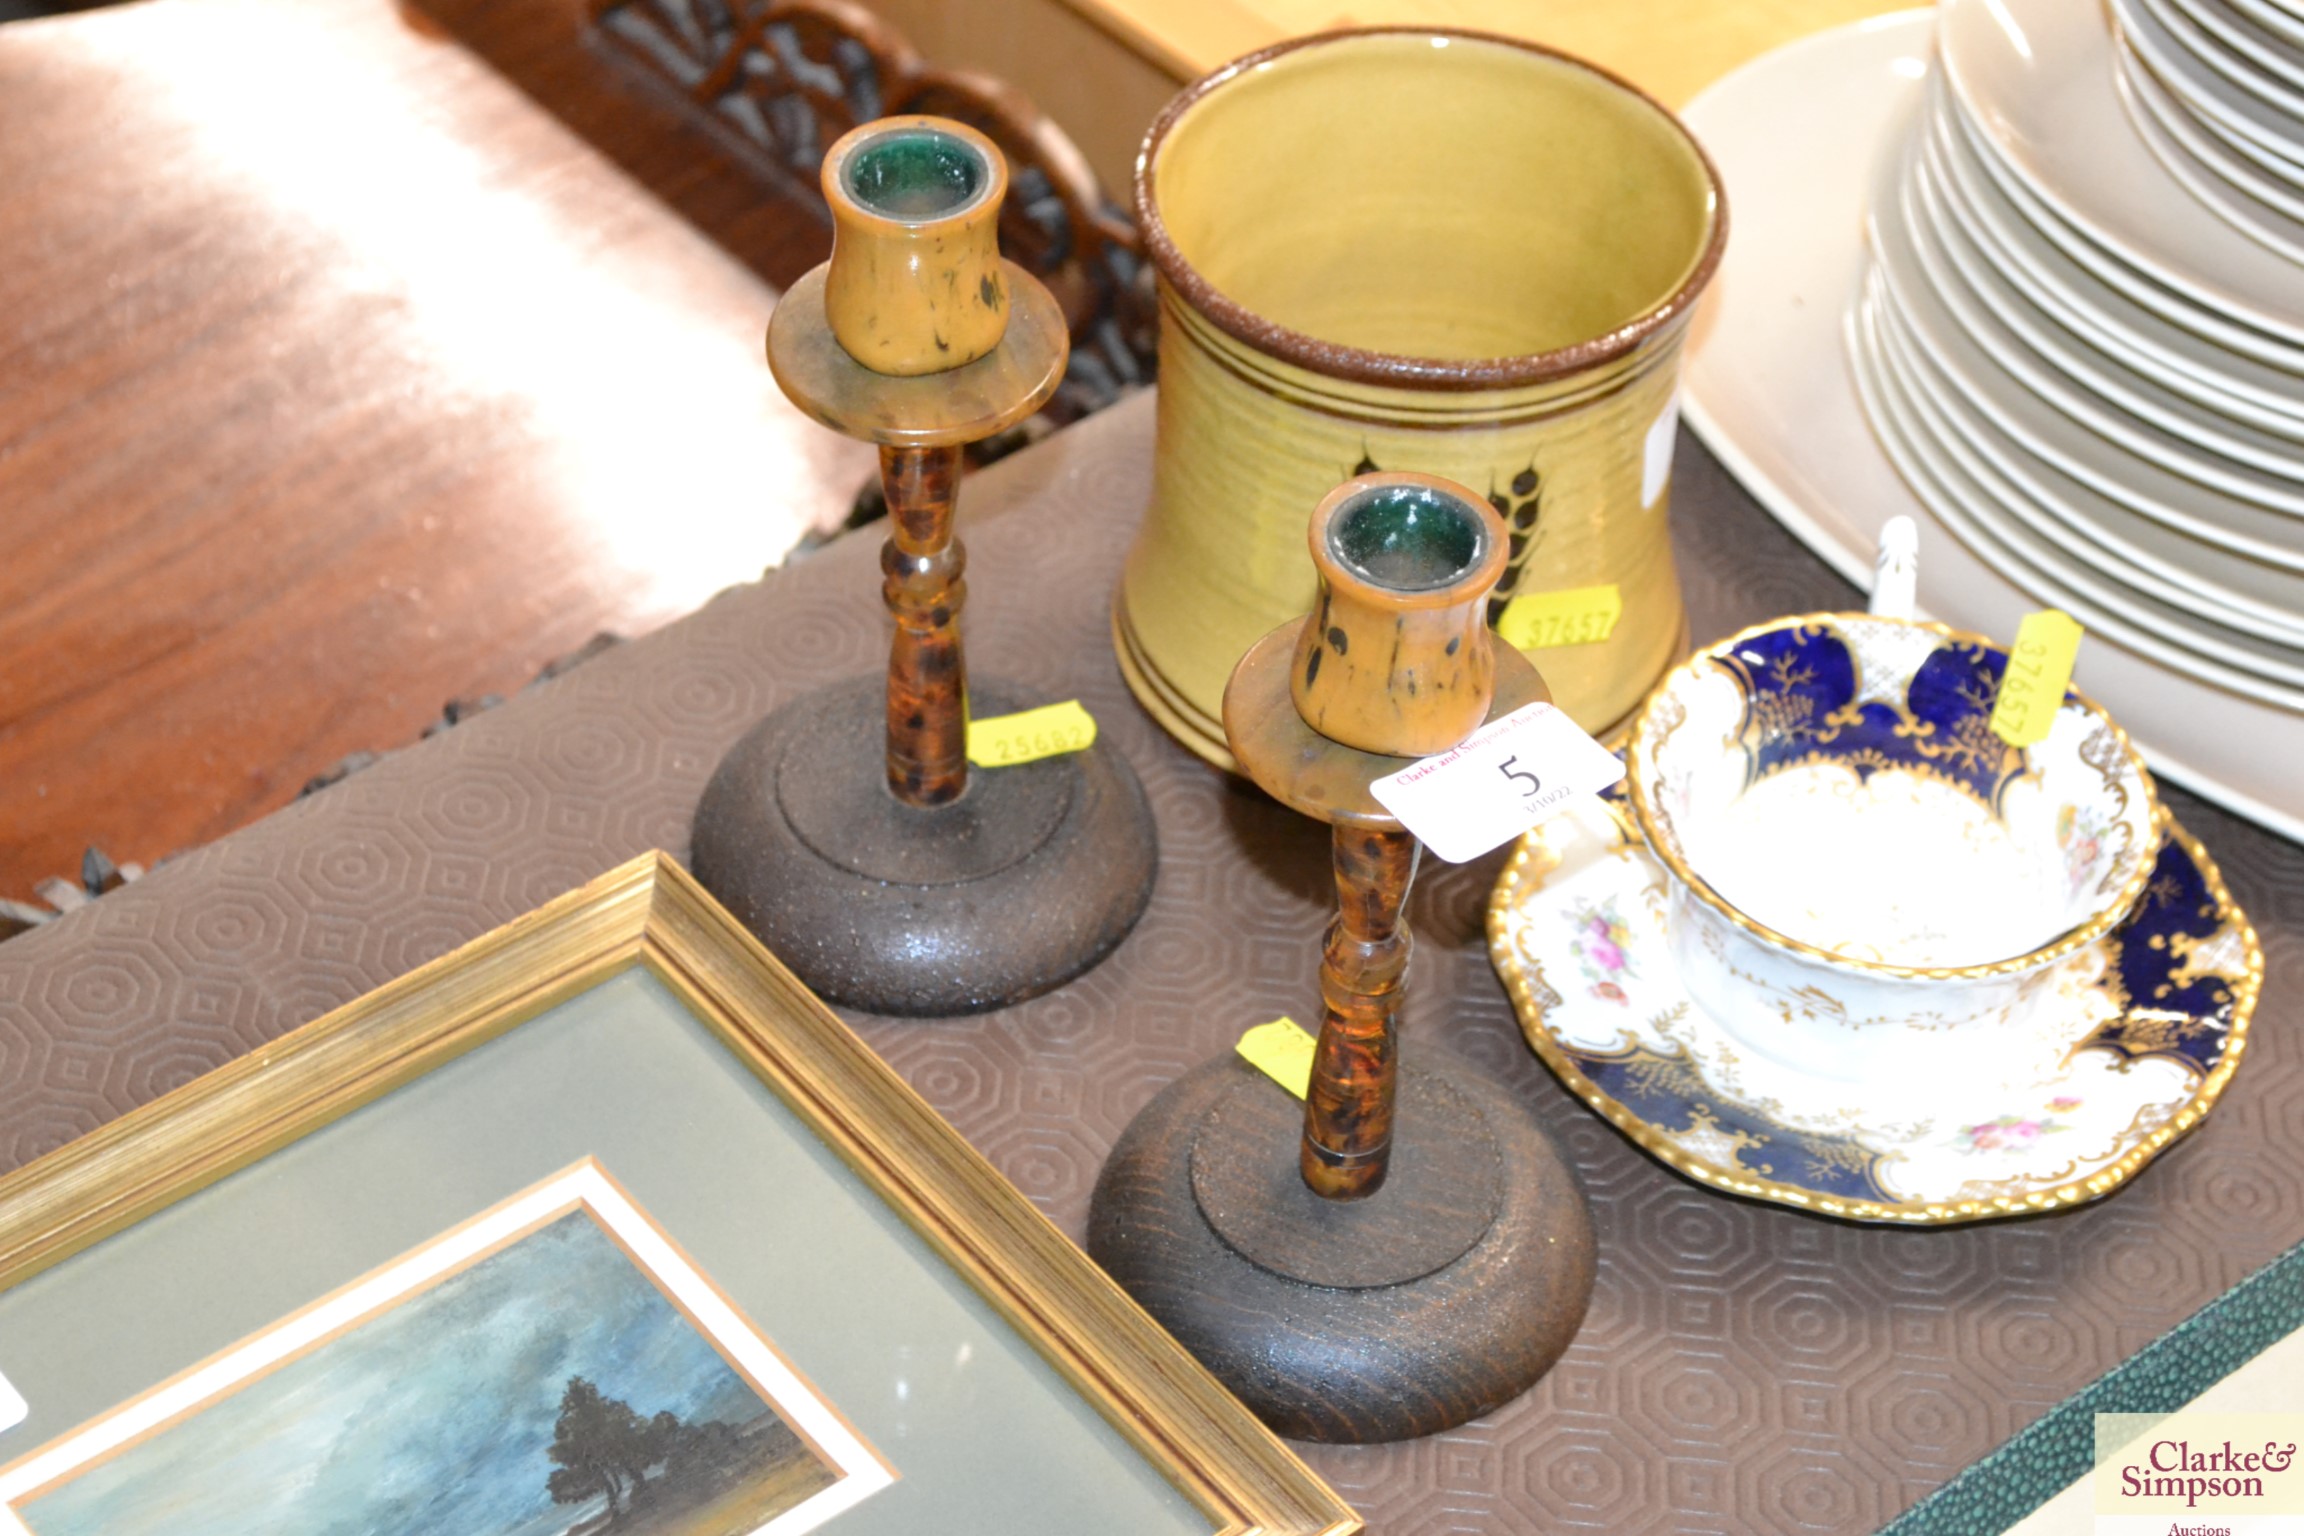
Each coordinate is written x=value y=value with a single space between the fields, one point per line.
x=1798 y=137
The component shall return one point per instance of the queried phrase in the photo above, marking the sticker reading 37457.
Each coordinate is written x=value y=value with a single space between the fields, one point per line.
x=1498 y=782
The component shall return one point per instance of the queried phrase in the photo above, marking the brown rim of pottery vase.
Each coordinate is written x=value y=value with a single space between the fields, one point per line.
x=1370 y=367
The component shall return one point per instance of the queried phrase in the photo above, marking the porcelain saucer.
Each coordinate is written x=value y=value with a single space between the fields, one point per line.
x=2139 y=1036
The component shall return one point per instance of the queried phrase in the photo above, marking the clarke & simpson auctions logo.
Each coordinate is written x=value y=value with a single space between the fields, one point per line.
x=2173 y=1469
x=2199 y=1474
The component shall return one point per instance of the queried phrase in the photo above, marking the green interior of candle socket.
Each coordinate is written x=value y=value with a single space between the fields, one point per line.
x=1407 y=538
x=915 y=174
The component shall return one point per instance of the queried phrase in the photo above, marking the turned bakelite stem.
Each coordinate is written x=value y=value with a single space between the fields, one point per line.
x=1355 y=1069
x=927 y=679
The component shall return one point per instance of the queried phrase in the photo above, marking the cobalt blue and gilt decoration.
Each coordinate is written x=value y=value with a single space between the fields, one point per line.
x=1859 y=867
x=2130 y=1043
x=1807 y=698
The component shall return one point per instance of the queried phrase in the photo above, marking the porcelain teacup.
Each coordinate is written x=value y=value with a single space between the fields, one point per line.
x=1864 y=878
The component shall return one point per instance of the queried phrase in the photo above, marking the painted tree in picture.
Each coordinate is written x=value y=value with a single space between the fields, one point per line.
x=602 y=1450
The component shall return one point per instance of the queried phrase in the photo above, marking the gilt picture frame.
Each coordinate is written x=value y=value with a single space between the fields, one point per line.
x=599 y=1223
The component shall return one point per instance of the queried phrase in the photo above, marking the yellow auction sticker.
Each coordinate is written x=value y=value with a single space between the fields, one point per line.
x=1282 y=1051
x=2039 y=670
x=1537 y=621
x=1030 y=734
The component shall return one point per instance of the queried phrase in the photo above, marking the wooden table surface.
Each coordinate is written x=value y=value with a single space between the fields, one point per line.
x=337 y=380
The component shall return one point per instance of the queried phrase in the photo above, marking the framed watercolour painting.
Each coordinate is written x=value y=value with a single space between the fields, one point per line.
x=423 y=1397
x=601 y=1224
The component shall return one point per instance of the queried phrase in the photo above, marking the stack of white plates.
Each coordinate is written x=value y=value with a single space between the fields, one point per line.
x=2082 y=341
x=2216 y=90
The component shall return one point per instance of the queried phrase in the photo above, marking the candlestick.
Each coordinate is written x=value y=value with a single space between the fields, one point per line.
x=1408 y=1250
x=846 y=829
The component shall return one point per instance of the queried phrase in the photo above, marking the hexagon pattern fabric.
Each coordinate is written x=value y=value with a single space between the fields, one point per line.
x=1743 y=1367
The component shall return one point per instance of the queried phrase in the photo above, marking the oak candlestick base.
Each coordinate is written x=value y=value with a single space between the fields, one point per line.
x=1445 y=1294
x=1032 y=875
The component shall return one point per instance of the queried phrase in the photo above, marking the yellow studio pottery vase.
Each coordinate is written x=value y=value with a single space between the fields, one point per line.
x=1408 y=249
x=915 y=284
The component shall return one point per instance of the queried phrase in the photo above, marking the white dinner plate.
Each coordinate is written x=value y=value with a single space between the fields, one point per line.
x=2242 y=195
x=1986 y=508
x=2229 y=499
x=2165 y=339
x=2213 y=81
x=1975 y=494
x=2098 y=373
x=2248 y=37
x=1796 y=136
x=2249 y=596
x=2241 y=595
x=2278 y=19
x=2158 y=117
x=2034 y=77
x=2178 y=482
x=2279 y=166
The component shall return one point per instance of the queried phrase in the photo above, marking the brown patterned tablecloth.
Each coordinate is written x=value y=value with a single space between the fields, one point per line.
x=1744 y=1368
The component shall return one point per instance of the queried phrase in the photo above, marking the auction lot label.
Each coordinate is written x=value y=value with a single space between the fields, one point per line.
x=2199 y=1474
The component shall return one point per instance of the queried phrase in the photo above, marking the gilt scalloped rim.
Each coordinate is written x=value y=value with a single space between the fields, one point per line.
x=2184 y=969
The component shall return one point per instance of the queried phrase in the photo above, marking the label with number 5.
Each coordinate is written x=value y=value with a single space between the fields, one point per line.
x=1503 y=779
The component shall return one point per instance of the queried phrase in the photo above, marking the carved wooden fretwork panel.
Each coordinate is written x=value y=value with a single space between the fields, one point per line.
x=782 y=81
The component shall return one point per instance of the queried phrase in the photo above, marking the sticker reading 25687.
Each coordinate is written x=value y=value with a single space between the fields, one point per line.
x=1030 y=735
x=1501 y=780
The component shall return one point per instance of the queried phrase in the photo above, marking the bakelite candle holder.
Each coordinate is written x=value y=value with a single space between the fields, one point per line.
x=846 y=829
x=1408 y=1250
